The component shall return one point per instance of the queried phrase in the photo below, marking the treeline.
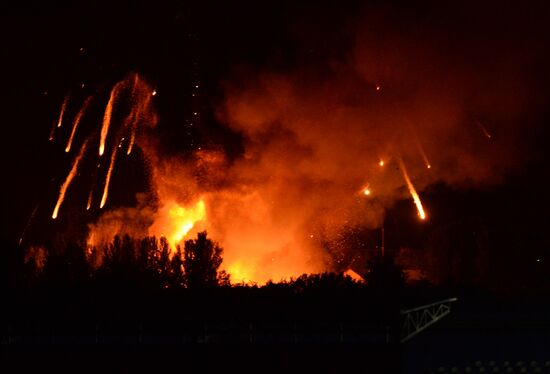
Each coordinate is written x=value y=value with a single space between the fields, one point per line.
x=149 y=263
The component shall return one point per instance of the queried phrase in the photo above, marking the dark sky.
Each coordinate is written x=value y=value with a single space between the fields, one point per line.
x=51 y=50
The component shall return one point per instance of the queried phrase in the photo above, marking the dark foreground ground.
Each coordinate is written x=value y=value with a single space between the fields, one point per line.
x=478 y=336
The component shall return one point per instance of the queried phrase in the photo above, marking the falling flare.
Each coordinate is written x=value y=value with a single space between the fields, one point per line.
x=483 y=129
x=68 y=181
x=28 y=224
x=62 y=112
x=412 y=190
x=90 y=195
x=76 y=122
x=107 y=118
x=108 y=178
x=132 y=140
x=423 y=154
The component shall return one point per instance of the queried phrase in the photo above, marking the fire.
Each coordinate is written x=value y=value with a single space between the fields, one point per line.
x=240 y=273
x=176 y=221
x=68 y=181
x=381 y=163
x=366 y=191
x=412 y=190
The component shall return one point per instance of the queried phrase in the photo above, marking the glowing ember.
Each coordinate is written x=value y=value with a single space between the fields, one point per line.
x=381 y=163
x=366 y=192
x=68 y=181
x=412 y=190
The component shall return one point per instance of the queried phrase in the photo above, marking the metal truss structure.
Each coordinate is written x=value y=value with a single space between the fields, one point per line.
x=418 y=319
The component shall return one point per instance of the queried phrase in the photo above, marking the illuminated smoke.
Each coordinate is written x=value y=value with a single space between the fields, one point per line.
x=77 y=120
x=310 y=135
x=69 y=179
x=412 y=190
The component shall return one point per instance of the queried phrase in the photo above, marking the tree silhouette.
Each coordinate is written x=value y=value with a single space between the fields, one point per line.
x=201 y=260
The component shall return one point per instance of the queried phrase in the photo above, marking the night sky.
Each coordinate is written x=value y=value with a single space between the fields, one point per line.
x=225 y=47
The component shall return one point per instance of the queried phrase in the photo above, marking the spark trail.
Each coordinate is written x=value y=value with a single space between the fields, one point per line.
x=132 y=140
x=76 y=122
x=423 y=153
x=69 y=179
x=108 y=178
x=483 y=129
x=28 y=224
x=90 y=195
x=107 y=118
x=412 y=190
x=62 y=112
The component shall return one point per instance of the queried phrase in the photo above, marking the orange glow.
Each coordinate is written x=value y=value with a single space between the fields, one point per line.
x=366 y=192
x=68 y=181
x=412 y=190
x=381 y=163
x=240 y=273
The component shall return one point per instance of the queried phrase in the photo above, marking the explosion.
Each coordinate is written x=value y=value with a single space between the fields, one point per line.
x=309 y=138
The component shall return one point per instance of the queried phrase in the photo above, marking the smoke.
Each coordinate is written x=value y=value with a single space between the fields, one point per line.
x=415 y=86
x=409 y=88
